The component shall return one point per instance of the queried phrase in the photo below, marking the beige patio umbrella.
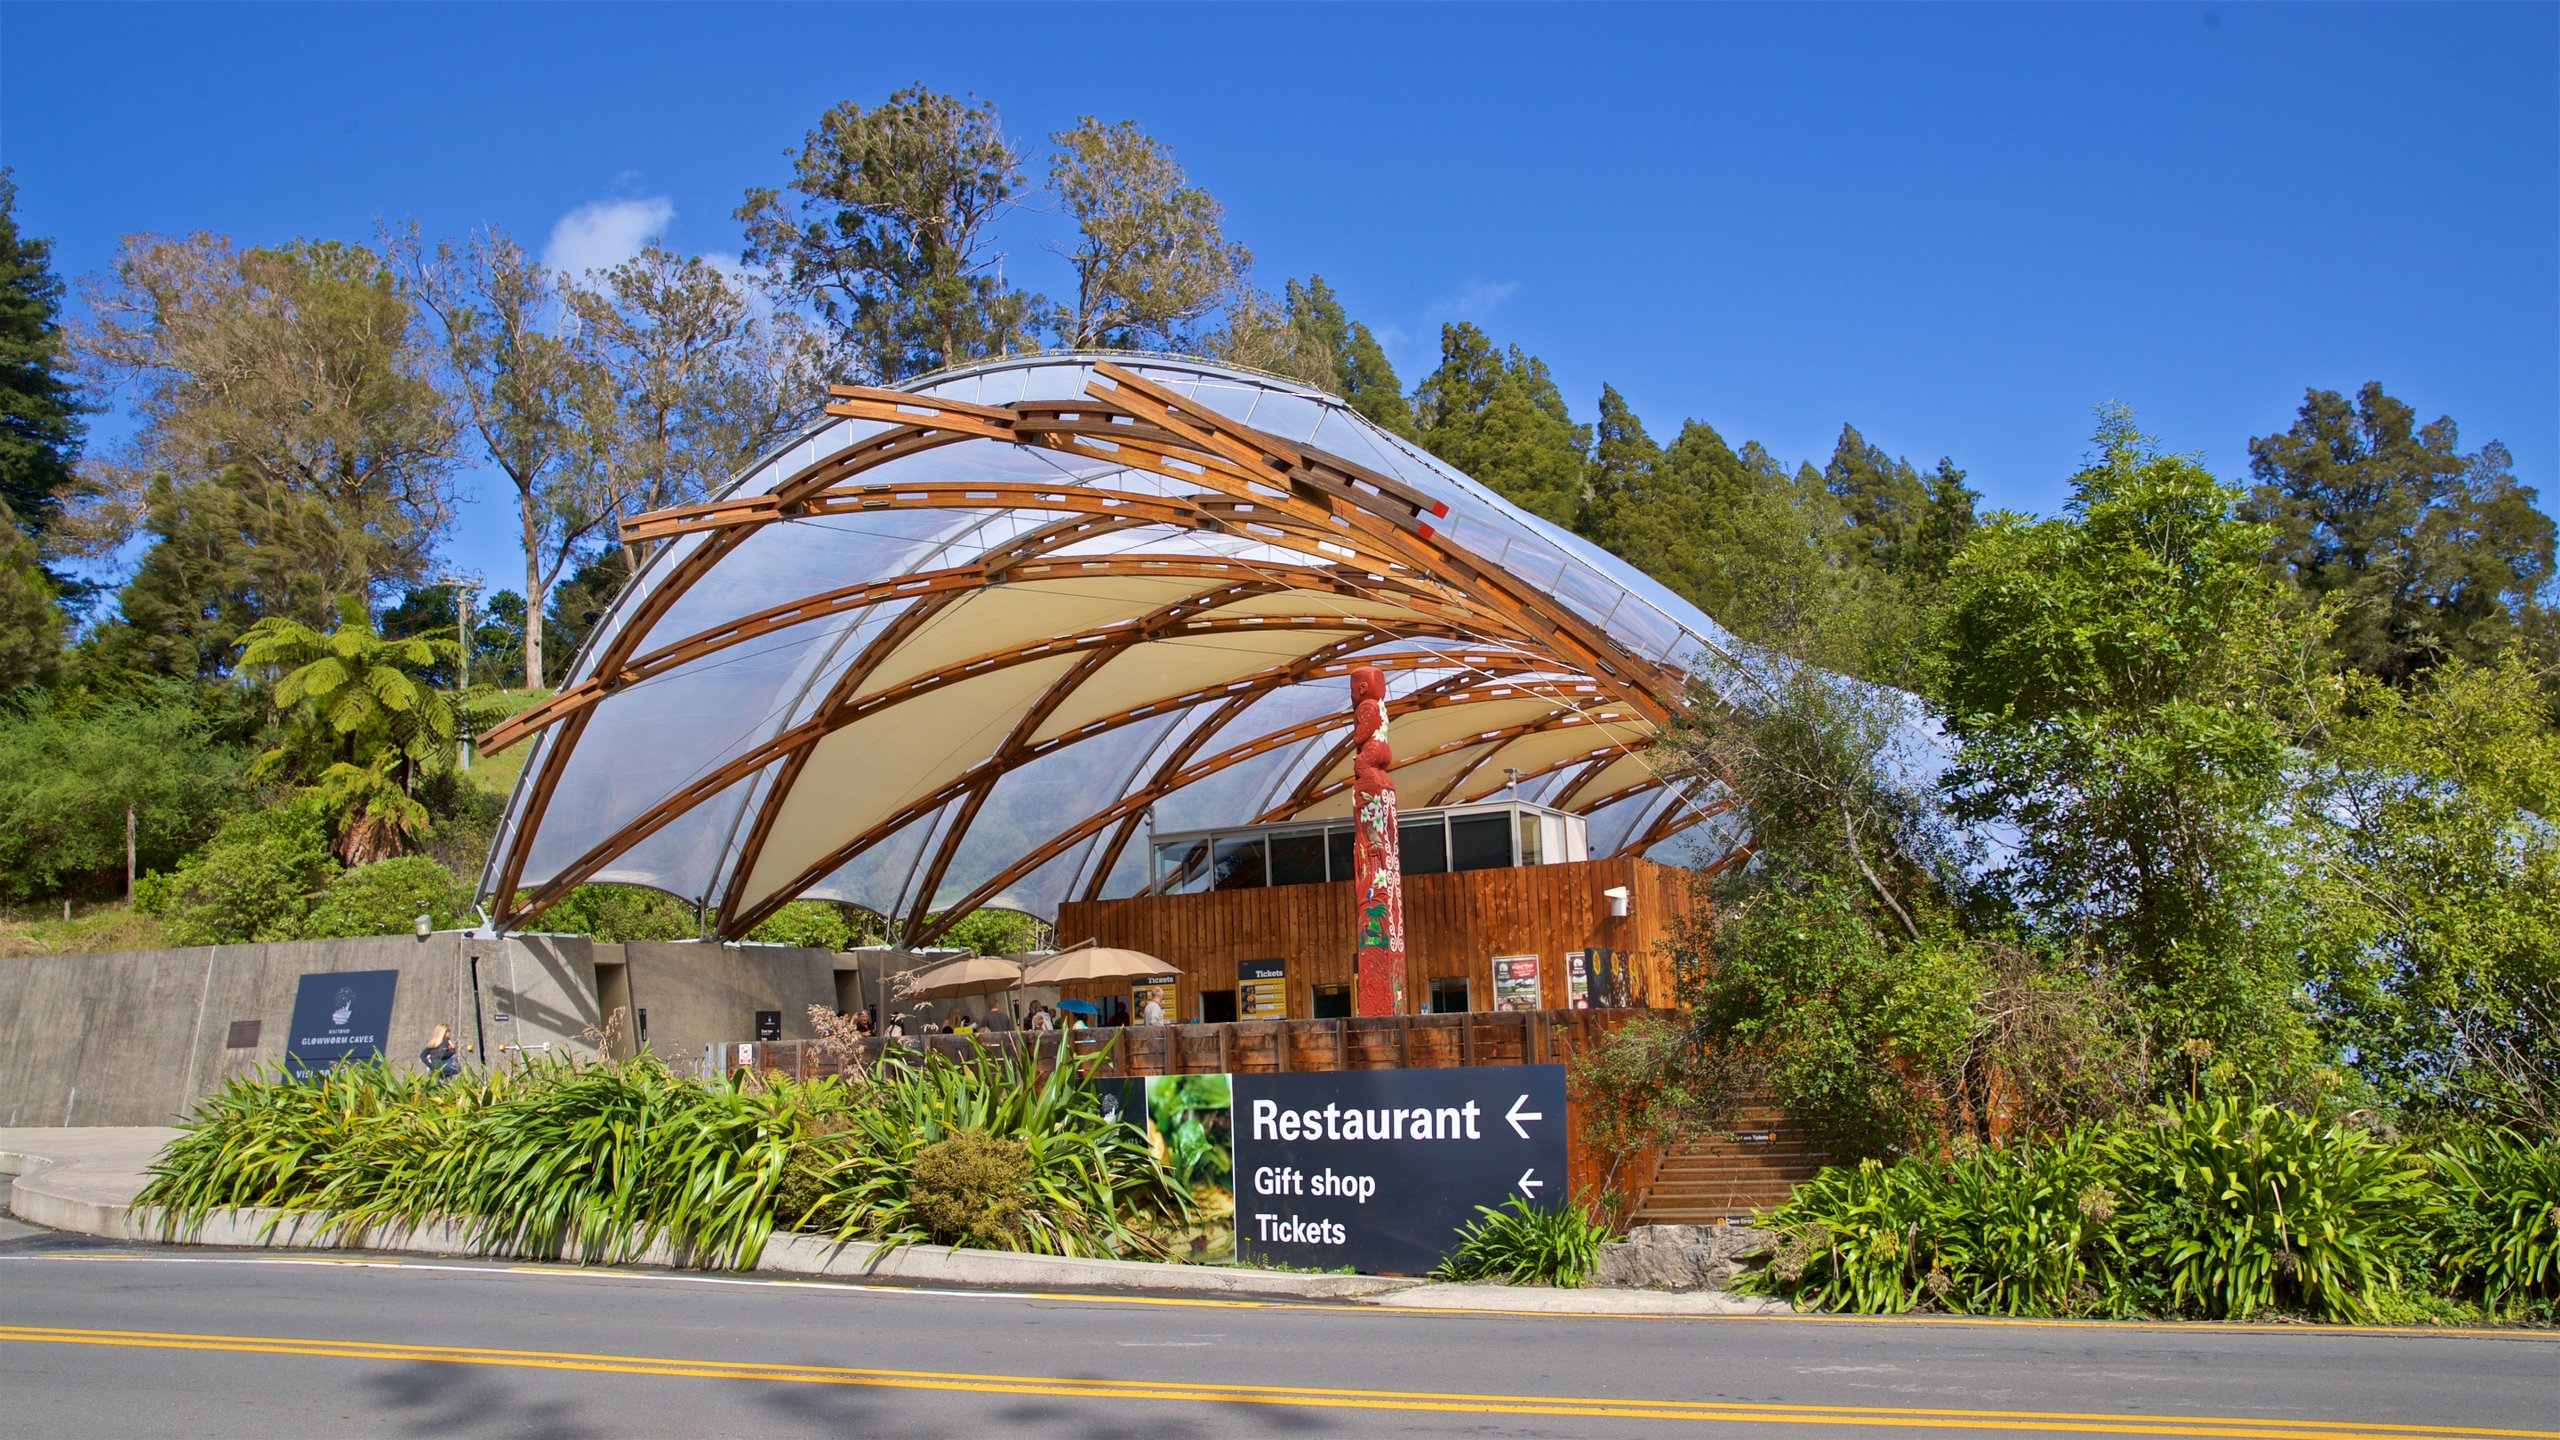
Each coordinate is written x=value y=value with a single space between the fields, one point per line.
x=968 y=975
x=1094 y=963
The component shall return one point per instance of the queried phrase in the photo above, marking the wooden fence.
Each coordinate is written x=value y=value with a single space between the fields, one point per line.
x=1245 y=1047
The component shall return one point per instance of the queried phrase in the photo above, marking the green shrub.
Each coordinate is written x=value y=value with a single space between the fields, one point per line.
x=256 y=881
x=813 y=923
x=621 y=913
x=968 y=1189
x=1527 y=1245
x=70 y=769
x=2254 y=1208
x=2501 y=1227
x=2222 y=1209
x=611 y=1157
x=386 y=898
x=1094 y=1187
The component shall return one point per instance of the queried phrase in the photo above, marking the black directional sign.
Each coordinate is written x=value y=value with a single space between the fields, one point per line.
x=1377 y=1169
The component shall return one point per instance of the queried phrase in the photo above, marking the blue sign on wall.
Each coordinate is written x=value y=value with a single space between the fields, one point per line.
x=340 y=1015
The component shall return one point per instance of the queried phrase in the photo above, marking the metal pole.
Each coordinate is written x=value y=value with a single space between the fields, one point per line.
x=462 y=590
x=128 y=854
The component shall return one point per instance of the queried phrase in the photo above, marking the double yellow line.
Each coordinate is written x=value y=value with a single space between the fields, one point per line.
x=1316 y=1397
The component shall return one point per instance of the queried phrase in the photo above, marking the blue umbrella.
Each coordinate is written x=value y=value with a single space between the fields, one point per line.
x=1081 y=1007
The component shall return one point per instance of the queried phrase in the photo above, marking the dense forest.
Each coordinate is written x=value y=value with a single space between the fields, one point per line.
x=2252 y=776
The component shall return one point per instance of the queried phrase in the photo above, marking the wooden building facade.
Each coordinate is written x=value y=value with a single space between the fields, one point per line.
x=1457 y=925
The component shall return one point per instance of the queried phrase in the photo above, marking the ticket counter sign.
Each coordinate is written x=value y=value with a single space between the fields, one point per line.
x=1378 y=1169
x=1262 y=990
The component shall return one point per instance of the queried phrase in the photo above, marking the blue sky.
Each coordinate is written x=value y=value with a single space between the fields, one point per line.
x=1958 y=228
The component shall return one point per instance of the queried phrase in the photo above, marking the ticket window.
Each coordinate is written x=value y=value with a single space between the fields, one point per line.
x=1449 y=995
x=1217 y=1007
x=1333 y=1002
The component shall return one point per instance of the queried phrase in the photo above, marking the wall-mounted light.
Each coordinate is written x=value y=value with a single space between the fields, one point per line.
x=426 y=926
x=1617 y=901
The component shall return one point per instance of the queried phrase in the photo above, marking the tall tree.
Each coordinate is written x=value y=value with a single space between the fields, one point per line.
x=1621 y=479
x=519 y=383
x=1498 y=417
x=40 y=408
x=1882 y=499
x=2110 y=677
x=889 y=232
x=297 y=378
x=2432 y=553
x=681 y=381
x=1362 y=375
x=1151 y=257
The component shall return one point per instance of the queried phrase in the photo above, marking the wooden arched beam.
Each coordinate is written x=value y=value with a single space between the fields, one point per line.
x=1012 y=751
x=1342 y=657
x=1132 y=804
x=756 y=913
x=969 y=578
x=1563 y=719
x=1679 y=815
x=749 y=918
x=1267 y=488
x=800 y=738
x=1601 y=754
x=1169 y=620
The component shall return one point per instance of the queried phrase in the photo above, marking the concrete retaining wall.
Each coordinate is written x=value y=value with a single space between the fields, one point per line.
x=134 y=1037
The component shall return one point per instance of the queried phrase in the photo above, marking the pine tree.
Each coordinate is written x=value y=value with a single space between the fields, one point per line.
x=1497 y=416
x=40 y=410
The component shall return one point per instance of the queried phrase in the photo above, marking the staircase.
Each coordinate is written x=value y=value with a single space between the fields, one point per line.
x=1726 y=1176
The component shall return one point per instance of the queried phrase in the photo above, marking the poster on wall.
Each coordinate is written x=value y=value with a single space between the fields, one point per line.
x=1577 y=979
x=338 y=1016
x=1161 y=991
x=1608 y=980
x=1262 y=990
x=1190 y=1123
x=1515 y=982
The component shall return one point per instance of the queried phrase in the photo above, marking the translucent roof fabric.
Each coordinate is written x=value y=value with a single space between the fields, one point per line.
x=959 y=645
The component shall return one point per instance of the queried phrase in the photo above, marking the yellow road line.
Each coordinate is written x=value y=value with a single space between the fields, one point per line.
x=1086 y=1387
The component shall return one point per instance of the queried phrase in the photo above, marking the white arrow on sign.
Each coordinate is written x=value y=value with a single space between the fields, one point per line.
x=1528 y=1186
x=1515 y=1115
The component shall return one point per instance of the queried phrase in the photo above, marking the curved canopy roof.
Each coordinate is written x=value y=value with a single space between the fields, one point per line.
x=951 y=646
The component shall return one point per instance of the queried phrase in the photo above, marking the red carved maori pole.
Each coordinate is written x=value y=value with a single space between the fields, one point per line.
x=1377 y=862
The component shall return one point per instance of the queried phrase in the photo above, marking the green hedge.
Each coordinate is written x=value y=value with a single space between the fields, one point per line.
x=616 y=1156
x=2220 y=1210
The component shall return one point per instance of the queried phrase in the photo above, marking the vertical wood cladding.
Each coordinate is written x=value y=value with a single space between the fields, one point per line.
x=1455 y=924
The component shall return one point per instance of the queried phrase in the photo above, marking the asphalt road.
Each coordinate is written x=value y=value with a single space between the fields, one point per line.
x=99 y=1339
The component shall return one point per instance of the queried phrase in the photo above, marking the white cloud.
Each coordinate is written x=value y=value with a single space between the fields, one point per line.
x=1475 y=300
x=604 y=233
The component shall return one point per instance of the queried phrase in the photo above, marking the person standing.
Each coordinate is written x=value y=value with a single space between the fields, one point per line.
x=439 y=1057
x=1154 y=1013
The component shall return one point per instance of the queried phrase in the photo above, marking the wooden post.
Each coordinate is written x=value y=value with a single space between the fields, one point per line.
x=1377 y=977
x=1467 y=1038
x=1226 y=1049
x=128 y=854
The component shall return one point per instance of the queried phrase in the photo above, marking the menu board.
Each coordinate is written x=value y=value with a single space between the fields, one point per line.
x=1262 y=990
x=1515 y=982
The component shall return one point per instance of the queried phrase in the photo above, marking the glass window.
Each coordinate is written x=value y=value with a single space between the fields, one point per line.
x=1333 y=1002
x=1181 y=866
x=1449 y=995
x=1426 y=846
x=1531 y=828
x=1297 y=857
x=1480 y=842
x=1337 y=852
x=1240 y=864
